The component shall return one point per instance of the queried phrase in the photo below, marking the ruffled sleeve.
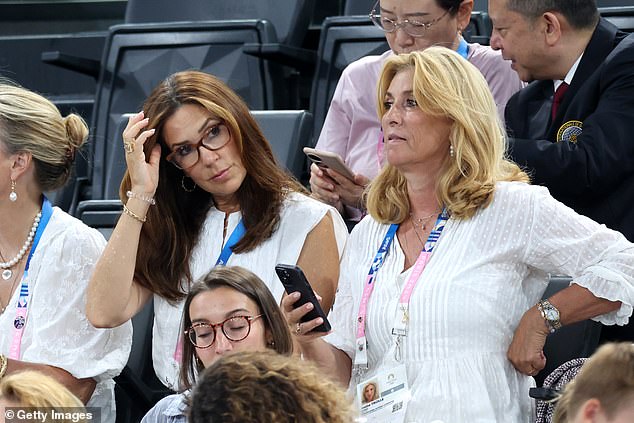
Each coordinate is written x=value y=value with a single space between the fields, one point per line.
x=59 y=332
x=597 y=258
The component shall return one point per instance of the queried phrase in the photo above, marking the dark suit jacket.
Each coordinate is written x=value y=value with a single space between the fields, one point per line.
x=595 y=175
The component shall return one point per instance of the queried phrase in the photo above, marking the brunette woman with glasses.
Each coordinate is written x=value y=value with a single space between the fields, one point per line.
x=203 y=188
x=229 y=310
x=351 y=128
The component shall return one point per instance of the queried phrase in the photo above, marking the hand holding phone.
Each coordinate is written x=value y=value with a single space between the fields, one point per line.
x=328 y=160
x=294 y=280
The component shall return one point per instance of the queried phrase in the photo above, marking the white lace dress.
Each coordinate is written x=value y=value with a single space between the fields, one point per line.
x=57 y=331
x=483 y=275
x=300 y=214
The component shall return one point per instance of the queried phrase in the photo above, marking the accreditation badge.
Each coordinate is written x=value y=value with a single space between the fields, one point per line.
x=570 y=131
x=383 y=398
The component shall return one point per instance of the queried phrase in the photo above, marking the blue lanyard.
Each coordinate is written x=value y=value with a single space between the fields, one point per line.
x=23 y=301
x=360 y=359
x=235 y=236
x=463 y=48
x=47 y=212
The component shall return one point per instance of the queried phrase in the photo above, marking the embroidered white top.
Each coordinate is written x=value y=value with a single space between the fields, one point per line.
x=57 y=331
x=483 y=275
x=300 y=215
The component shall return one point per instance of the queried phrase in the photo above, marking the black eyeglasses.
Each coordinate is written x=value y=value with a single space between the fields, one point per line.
x=411 y=27
x=236 y=328
x=185 y=156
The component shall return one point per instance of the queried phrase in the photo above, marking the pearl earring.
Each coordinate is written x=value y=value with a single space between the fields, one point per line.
x=451 y=152
x=13 y=196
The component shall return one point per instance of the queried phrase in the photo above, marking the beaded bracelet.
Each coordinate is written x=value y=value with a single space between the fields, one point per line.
x=131 y=194
x=4 y=363
x=134 y=215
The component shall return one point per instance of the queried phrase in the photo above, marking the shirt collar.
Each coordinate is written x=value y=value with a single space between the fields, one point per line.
x=569 y=75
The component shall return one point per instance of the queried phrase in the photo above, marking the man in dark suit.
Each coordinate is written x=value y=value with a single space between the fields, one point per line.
x=578 y=140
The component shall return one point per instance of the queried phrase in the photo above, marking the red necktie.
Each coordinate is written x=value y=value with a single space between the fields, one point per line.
x=558 y=98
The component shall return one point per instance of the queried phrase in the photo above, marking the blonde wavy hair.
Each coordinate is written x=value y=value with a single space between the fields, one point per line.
x=31 y=123
x=32 y=389
x=446 y=85
x=607 y=376
x=253 y=387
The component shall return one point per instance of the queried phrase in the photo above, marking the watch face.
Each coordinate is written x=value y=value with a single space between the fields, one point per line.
x=552 y=314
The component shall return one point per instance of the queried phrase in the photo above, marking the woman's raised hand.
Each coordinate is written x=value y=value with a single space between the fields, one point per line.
x=302 y=331
x=143 y=174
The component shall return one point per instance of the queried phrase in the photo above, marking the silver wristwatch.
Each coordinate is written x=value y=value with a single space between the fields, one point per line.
x=550 y=314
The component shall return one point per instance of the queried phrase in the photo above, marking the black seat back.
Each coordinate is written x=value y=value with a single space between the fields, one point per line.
x=343 y=40
x=289 y=17
x=622 y=17
x=288 y=132
x=358 y=7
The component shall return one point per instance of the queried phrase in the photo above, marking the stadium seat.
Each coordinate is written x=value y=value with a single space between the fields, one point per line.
x=343 y=40
x=622 y=17
x=288 y=132
x=358 y=7
x=289 y=18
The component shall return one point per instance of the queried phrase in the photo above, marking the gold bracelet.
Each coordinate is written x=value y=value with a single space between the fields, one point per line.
x=141 y=197
x=4 y=363
x=134 y=215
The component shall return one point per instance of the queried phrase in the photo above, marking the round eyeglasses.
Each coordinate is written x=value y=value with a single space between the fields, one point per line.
x=236 y=328
x=411 y=27
x=186 y=155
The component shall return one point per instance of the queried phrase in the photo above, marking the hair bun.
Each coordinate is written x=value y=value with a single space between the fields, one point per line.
x=76 y=131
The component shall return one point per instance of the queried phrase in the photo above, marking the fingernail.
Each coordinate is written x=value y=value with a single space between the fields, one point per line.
x=151 y=130
x=309 y=306
x=320 y=320
x=295 y=295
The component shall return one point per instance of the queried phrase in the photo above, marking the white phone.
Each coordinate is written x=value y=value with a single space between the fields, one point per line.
x=328 y=160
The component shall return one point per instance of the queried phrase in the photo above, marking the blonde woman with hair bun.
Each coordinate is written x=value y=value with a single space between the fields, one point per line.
x=47 y=257
x=441 y=283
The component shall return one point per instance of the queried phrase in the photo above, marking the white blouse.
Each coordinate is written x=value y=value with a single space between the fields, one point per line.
x=485 y=272
x=300 y=214
x=57 y=331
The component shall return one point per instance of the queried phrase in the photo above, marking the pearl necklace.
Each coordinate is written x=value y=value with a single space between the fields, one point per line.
x=7 y=273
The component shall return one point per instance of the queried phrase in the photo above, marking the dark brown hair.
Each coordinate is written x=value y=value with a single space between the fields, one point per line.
x=173 y=226
x=247 y=283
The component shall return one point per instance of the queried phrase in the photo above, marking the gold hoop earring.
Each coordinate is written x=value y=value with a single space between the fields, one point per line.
x=185 y=188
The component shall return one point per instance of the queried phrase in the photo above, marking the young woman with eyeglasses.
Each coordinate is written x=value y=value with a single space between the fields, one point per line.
x=352 y=128
x=229 y=310
x=203 y=188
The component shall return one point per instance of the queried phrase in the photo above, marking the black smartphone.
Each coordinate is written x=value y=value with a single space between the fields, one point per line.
x=294 y=280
